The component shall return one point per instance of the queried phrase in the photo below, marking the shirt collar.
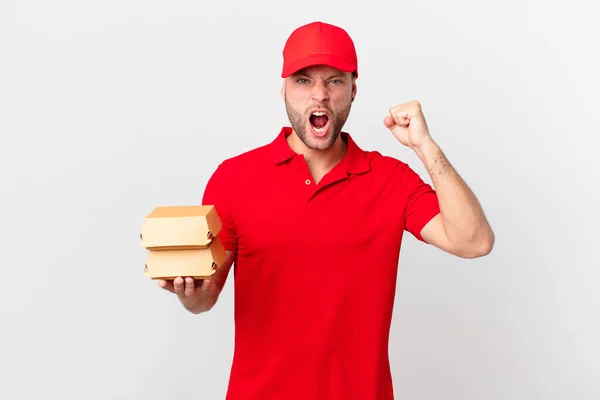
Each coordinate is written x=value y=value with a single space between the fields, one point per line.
x=355 y=161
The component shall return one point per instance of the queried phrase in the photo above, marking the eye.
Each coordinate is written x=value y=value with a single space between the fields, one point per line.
x=302 y=80
x=336 y=82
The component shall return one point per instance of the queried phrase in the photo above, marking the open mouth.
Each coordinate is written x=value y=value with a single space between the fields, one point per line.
x=319 y=122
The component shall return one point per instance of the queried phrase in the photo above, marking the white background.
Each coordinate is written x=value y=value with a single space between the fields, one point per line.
x=111 y=108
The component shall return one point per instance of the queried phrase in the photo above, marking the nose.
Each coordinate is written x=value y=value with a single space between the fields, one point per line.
x=319 y=92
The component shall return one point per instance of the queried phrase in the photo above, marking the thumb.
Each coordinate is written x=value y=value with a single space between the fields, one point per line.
x=389 y=122
x=396 y=129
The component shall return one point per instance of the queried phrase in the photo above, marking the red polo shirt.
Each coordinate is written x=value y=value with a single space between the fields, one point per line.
x=315 y=274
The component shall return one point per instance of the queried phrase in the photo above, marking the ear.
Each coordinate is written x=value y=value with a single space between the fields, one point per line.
x=283 y=89
x=353 y=88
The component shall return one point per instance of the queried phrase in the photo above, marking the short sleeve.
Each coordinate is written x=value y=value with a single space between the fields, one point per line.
x=218 y=193
x=421 y=203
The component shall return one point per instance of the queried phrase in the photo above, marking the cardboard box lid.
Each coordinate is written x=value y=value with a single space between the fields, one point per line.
x=197 y=263
x=180 y=227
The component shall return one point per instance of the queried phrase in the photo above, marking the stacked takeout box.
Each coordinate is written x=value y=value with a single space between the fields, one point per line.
x=182 y=241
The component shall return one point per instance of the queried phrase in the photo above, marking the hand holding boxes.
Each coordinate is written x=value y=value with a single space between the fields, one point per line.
x=182 y=241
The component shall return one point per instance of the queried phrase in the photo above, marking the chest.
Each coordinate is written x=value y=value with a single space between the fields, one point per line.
x=291 y=216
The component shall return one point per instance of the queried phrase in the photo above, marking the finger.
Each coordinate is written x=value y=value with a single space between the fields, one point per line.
x=398 y=115
x=166 y=285
x=410 y=104
x=190 y=286
x=401 y=118
x=395 y=108
x=178 y=284
x=206 y=284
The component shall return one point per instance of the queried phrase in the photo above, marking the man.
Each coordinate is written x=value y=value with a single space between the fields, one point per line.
x=314 y=225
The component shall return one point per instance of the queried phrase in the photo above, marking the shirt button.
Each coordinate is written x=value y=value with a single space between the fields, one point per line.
x=307 y=181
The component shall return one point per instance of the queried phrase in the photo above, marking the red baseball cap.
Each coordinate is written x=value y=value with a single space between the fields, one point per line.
x=319 y=43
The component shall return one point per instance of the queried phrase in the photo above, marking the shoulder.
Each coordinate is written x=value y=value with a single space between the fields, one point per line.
x=385 y=164
x=252 y=159
x=224 y=179
x=391 y=171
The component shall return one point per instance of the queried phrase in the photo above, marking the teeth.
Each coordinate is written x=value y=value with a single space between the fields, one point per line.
x=323 y=128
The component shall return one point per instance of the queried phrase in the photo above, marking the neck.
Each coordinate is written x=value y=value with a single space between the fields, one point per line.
x=319 y=161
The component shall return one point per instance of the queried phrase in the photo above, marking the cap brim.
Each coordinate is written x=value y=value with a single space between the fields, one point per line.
x=318 y=59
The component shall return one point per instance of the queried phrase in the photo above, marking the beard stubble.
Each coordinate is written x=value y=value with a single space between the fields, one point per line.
x=299 y=122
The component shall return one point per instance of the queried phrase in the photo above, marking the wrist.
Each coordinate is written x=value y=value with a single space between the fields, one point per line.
x=427 y=152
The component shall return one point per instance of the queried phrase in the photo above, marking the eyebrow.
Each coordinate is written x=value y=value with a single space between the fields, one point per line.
x=336 y=75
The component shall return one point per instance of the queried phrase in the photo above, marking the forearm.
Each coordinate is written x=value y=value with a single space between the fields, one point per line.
x=464 y=222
